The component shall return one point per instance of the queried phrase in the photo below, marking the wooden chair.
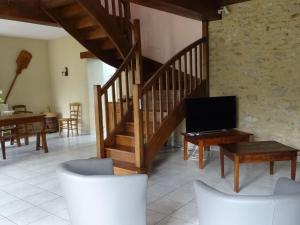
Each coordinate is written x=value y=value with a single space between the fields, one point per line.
x=26 y=129
x=72 y=122
x=8 y=134
x=20 y=109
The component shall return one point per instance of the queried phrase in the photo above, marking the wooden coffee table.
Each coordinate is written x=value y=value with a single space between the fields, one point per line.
x=204 y=141
x=257 y=152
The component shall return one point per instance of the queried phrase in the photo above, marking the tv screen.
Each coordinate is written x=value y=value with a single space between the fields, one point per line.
x=210 y=114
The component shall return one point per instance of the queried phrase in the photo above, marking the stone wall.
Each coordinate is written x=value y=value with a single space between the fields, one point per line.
x=255 y=54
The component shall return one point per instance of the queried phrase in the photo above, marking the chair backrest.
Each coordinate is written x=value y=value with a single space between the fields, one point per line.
x=216 y=208
x=75 y=110
x=20 y=109
x=95 y=196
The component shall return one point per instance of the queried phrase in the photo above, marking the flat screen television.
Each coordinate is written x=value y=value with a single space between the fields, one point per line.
x=211 y=114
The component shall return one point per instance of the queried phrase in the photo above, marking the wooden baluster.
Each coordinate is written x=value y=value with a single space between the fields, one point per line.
x=147 y=116
x=185 y=75
x=191 y=70
x=121 y=97
x=161 y=111
x=120 y=10
x=154 y=107
x=196 y=66
x=179 y=79
x=174 y=85
x=200 y=64
x=114 y=104
x=167 y=90
x=138 y=126
x=107 y=113
x=133 y=71
x=113 y=6
x=106 y=6
x=99 y=121
x=138 y=52
x=127 y=88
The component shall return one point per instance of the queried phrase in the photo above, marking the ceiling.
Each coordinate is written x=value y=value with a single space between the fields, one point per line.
x=30 y=30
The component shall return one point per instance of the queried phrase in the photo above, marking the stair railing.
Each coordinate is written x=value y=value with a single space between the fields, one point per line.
x=120 y=10
x=113 y=101
x=176 y=80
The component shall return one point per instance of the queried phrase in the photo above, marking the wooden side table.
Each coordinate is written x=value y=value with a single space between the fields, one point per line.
x=257 y=152
x=206 y=140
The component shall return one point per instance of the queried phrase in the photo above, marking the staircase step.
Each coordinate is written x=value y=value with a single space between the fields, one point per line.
x=51 y=4
x=123 y=168
x=129 y=126
x=84 y=22
x=121 y=153
x=125 y=139
x=72 y=11
x=93 y=33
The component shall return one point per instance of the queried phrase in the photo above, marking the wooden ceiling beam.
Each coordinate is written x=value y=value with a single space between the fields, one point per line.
x=24 y=11
x=194 y=9
x=230 y=2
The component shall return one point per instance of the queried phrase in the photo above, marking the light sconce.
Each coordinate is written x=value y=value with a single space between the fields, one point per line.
x=65 y=72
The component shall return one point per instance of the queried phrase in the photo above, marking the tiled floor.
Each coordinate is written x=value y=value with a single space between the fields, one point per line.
x=30 y=193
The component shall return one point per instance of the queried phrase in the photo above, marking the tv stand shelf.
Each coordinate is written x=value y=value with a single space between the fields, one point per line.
x=205 y=140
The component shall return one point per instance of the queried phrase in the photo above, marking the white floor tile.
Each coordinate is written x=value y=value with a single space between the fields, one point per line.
x=41 y=198
x=30 y=192
x=28 y=216
x=14 y=207
x=50 y=220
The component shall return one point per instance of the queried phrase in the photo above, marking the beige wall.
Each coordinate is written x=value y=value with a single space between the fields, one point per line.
x=65 y=52
x=254 y=54
x=33 y=85
x=164 y=34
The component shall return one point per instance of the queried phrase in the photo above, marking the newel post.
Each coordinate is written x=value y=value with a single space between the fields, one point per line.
x=99 y=122
x=138 y=126
x=138 y=52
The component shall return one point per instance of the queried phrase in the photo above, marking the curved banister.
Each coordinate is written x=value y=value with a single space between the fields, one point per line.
x=156 y=76
x=124 y=64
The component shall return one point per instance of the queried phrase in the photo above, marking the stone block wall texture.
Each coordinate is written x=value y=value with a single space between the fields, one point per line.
x=255 y=55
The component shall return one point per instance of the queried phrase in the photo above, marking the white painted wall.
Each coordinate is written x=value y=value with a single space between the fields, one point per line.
x=32 y=87
x=65 y=52
x=164 y=34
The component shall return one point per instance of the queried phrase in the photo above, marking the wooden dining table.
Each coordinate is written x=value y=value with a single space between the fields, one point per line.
x=26 y=118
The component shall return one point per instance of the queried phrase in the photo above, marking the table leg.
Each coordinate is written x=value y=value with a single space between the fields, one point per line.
x=222 y=163
x=271 y=167
x=185 y=150
x=68 y=124
x=3 y=149
x=18 y=137
x=236 y=173
x=38 y=141
x=43 y=134
x=201 y=161
x=26 y=134
x=293 y=167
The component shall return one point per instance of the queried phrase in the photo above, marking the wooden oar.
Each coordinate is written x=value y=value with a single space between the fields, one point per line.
x=22 y=61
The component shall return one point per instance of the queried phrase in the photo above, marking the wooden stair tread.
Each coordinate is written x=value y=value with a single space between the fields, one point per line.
x=50 y=4
x=72 y=10
x=128 y=166
x=121 y=148
x=126 y=134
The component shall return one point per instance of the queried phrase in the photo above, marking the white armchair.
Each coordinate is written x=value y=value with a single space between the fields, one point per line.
x=281 y=208
x=94 y=196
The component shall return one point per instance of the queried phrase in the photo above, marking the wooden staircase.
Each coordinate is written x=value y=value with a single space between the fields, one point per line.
x=135 y=112
x=100 y=27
